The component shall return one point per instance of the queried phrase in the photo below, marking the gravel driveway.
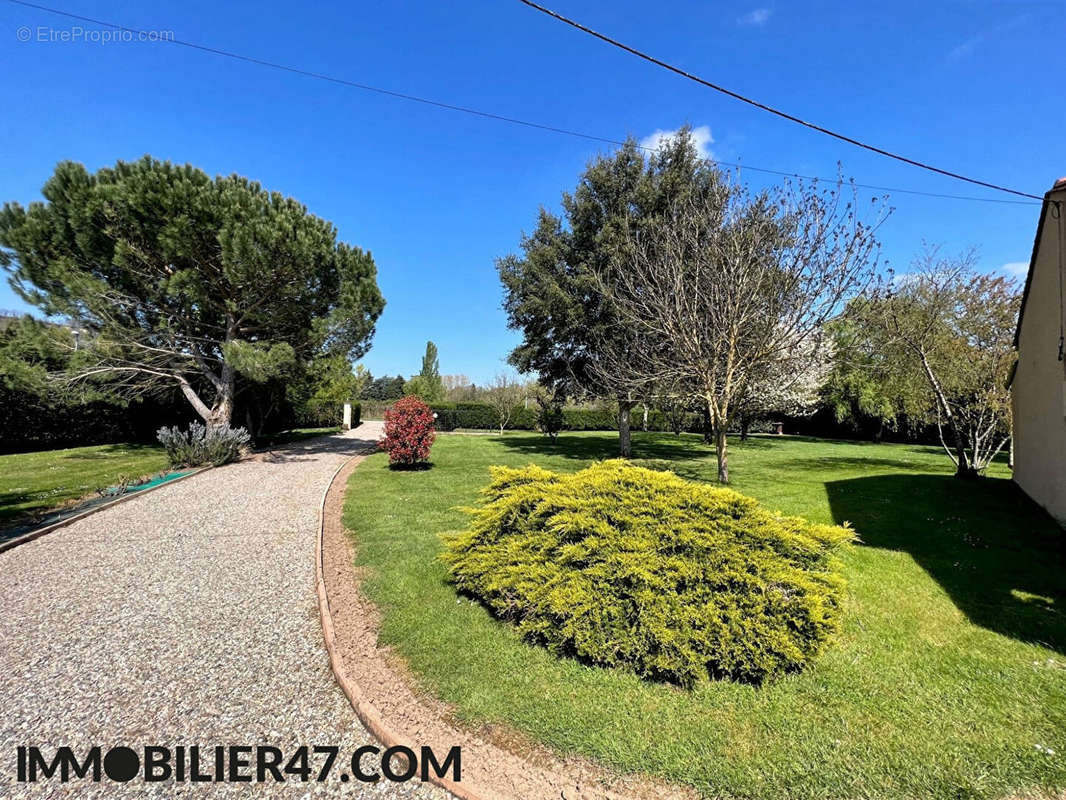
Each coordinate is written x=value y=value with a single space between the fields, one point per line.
x=187 y=617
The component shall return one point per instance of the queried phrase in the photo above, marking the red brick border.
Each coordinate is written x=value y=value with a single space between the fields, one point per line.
x=368 y=714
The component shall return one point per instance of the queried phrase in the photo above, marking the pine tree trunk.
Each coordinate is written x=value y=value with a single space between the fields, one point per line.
x=222 y=410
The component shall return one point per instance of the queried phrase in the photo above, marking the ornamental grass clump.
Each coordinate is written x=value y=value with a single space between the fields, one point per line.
x=637 y=569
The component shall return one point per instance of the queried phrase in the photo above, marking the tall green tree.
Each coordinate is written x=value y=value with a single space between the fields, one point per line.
x=428 y=383
x=554 y=291
x=331 y=382
x=384 y=388
x=180 y=279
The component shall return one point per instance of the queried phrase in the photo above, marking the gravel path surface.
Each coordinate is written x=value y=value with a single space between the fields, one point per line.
x=186 y=616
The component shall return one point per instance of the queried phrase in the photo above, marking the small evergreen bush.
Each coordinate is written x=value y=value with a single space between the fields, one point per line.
x=550 y=418
x=633 y=568
x=200 y=445
x=409 y=432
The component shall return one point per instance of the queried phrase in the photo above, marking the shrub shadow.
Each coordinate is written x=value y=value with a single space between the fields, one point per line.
x=998 y=555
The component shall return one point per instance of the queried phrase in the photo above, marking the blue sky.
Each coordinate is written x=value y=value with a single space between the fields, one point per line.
x=437 y=195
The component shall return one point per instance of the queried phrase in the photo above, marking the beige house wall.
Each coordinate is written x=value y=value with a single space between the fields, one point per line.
x=1039 y=387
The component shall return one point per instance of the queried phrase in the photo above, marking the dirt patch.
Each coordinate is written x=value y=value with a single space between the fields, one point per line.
x=497 y=763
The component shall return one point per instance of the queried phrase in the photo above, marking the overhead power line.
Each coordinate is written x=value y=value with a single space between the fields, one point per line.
x=477 y=112
x=771 y=109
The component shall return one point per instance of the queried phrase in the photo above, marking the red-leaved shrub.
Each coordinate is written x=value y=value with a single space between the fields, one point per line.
x=409 y=431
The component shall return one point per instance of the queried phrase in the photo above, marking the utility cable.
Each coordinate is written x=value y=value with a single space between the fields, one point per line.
x=771 y=109
x=487 y=114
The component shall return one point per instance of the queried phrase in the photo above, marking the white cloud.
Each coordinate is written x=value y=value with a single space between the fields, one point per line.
x=701 y=138
x=1017 y=269
x=991 y=35
x=757 y=17
x=967 y=47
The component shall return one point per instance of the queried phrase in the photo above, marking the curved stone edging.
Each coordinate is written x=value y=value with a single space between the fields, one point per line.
x=37 y=534
x=507 y=774
x=367 y=713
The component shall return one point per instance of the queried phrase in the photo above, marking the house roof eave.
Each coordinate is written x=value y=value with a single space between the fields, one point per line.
x=1058 y=188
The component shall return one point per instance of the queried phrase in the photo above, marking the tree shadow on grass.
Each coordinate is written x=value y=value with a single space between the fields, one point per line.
x=110 y=451
x=998 y=555
x=8 y=501
x=834 y=463
x=597 y=446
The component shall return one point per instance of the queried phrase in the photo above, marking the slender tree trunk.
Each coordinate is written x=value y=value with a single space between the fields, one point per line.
x=962 y=463
x=644 y=424
x=745 y=426
x=625 y=444
x=708 y=432
x=194 y=400
x=721 y=446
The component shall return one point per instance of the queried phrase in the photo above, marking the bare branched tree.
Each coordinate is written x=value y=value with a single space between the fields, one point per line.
x=504 y=394
x=730 y=284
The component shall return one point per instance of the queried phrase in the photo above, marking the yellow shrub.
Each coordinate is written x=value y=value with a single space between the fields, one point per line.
x=632 y=568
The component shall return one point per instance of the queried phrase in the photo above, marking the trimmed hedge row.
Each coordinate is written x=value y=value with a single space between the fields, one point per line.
x=30 y=422
x=481 y=416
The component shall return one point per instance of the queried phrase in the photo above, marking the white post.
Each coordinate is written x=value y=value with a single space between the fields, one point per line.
x=347 y=425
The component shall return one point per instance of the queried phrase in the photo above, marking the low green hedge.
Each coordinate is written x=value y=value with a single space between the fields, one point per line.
x=481 y=416
x=638 y=569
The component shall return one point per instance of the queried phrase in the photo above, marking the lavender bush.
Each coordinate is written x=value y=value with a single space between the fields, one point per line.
x=200 y=446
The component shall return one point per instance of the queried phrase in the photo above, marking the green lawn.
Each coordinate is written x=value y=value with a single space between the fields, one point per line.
x=947 y=681
x=34 y=482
